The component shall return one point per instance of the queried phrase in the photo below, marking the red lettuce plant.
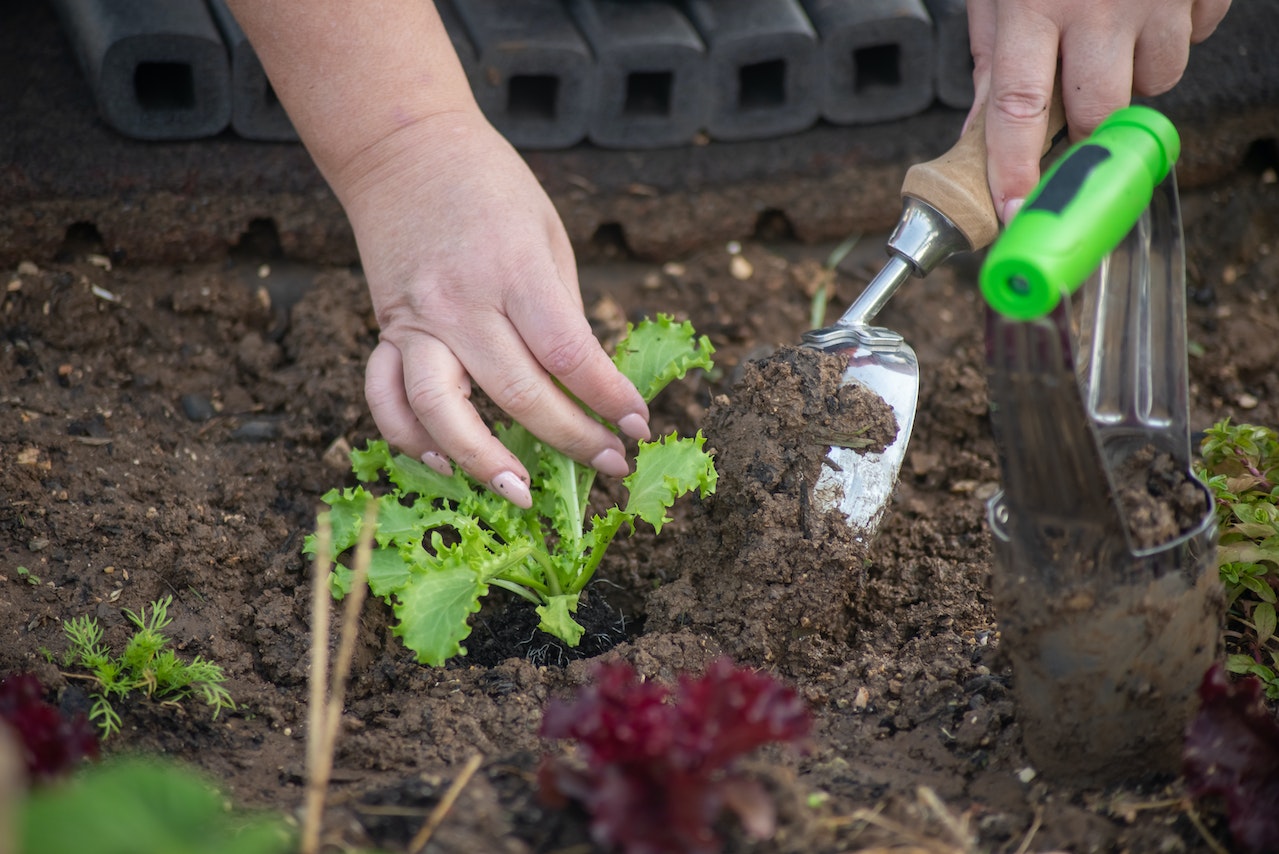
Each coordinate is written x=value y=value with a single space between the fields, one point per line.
x=659 y=767
x=51 y=743
x=1232 y=751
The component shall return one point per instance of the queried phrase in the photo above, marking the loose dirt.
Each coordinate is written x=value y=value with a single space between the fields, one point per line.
x=169 y=431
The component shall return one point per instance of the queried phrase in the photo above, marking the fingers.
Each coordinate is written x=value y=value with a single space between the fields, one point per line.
x=1160 y=55
x=1163 y=46
x=560 y=339
x=395 y=419
x=1205 y=15
x=435 y=390
x=1023 y=70
x=981 y=41
x=520 y=384
x=1096 y=72
x=384 y=393
x=418 y=391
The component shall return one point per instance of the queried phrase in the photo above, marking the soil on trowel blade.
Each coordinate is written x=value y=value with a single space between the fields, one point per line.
x=770 y=573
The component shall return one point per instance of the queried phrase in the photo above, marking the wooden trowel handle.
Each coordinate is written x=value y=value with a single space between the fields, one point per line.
x=956 y=184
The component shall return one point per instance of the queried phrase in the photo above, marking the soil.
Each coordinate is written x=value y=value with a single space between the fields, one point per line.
x=170 y=430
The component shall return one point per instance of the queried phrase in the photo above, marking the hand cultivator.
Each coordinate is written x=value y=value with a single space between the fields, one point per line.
x=1104 y=539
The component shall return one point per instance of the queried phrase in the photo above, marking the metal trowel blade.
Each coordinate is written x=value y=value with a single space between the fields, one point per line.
x=854 y=482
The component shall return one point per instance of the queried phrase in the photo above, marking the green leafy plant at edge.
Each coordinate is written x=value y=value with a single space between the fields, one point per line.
x=148 y=664
x=442 y=542
x=133 y=805
x=1241 y=466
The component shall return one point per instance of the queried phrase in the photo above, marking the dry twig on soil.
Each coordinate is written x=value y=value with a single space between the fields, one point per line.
x=324 y=715
x=436 y=818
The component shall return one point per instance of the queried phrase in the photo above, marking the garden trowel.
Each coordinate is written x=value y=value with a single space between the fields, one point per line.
x=946 y=209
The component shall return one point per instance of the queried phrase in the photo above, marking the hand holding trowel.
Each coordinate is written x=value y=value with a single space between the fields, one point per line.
x=946 y=209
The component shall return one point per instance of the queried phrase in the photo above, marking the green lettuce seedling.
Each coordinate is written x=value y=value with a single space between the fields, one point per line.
x=443 y=542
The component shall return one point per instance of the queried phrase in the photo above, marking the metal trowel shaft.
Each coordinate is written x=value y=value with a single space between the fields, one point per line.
x=946 y=209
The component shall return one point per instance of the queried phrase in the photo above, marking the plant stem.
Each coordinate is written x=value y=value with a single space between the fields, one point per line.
x=523 y=580
x=517 y=588
x=593 y=560
x=553 y=580
x=1264 y=485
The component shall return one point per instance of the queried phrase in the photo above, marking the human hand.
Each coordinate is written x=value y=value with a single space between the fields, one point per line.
x=1109 y=50
x=473 y=278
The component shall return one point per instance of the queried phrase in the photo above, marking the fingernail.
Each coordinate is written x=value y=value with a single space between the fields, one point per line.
x=438 y=463
x=611 y=463
x=512 y=489
x=635 y=426
x=1010 y=209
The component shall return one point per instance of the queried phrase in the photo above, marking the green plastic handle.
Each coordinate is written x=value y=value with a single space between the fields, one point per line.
x=1082 y=209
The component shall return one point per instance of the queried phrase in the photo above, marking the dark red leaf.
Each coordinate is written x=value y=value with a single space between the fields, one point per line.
x=1232 y=751
x=659 y=770
x=51 y=743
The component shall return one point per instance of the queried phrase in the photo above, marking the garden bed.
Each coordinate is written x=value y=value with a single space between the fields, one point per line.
x=168 y=431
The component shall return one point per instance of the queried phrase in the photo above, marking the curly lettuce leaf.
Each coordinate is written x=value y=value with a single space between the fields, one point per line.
x=665 y=470
x=556 y=618
x=656 y=352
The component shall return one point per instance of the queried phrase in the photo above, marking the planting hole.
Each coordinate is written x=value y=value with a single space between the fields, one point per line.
x=761 y=85
x=609 y=242
x=259 y=242
x=164 y=86
x=648 y=93
x=876 y=68
x=1262 y=156
x=533 y=96
x=773 y=225
x=82 y=238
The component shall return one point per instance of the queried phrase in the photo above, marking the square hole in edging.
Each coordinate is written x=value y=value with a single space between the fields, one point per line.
x=877 y=67
x=533 y=96
x=761 y=85
x=648 y=93
x=164 y=86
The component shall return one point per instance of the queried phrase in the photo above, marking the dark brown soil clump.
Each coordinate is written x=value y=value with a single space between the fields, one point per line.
x=773 y=574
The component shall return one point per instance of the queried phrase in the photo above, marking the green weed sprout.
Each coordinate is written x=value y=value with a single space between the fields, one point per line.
x=148 y=664
x=1241 y=466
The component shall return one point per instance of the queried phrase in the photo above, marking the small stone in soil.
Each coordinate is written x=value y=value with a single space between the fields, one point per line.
x=257 y=430
x=197 y=407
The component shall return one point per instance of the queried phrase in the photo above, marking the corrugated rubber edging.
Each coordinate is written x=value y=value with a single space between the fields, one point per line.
x=954 y=65
x=764 y=67
x=256 y=113
x=877 y=58
x=652 y=86
x=552 y=73
x=536 y=81
x=158 y=68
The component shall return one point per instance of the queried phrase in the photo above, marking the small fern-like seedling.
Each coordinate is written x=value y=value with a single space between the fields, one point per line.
x=148 y=664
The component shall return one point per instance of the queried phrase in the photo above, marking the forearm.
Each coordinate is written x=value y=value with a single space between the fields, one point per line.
x=354 y=74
